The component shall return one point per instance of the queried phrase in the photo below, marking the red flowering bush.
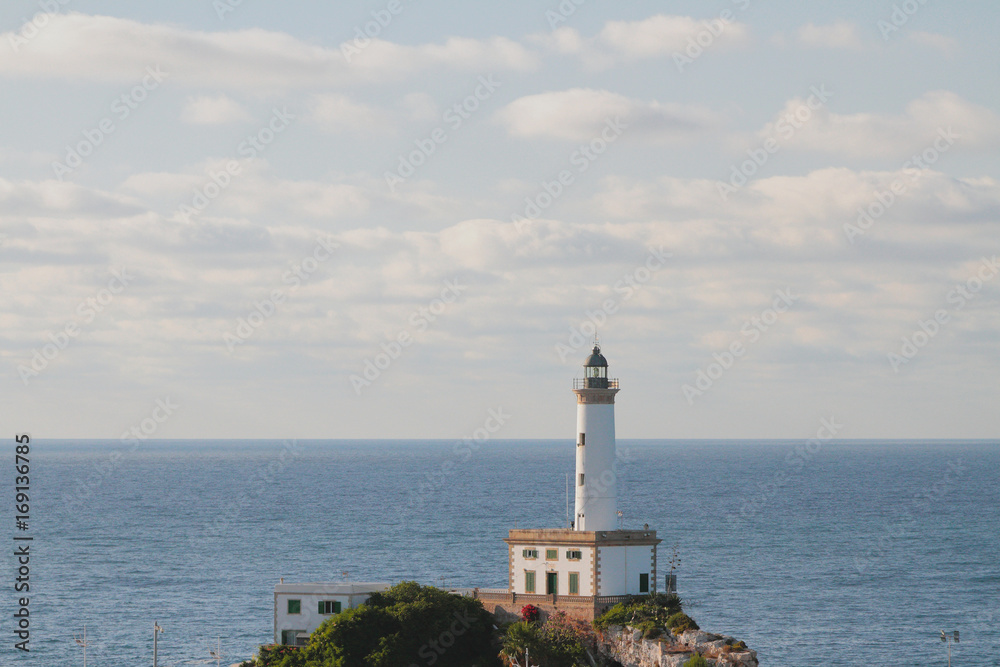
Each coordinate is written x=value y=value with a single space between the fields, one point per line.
x=529 y=613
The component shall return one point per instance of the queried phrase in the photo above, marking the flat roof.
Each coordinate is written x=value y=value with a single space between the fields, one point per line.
x=332 y=587
x=581 y=537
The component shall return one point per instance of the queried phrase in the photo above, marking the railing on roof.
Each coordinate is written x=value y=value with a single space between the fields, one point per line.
x=594 y=383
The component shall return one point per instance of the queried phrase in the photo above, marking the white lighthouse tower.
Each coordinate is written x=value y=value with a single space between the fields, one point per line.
x=596 y=479
x=586 y=568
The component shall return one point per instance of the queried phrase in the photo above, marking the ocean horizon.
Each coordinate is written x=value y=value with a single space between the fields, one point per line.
x=838 y=552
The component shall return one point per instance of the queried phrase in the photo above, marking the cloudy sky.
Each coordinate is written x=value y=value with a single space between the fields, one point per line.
x=384 y=219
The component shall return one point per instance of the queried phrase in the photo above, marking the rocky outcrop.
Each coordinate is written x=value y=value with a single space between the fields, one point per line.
x=627 y=646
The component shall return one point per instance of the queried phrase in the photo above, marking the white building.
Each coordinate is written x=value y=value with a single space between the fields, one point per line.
x=593 y=564
x=301 y=608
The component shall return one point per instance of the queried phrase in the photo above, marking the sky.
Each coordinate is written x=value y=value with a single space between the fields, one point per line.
x=409 y=218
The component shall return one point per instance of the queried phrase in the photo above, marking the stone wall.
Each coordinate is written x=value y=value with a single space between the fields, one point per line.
x=507 y=607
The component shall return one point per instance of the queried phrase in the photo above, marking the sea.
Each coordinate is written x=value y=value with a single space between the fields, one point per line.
x=813 y=553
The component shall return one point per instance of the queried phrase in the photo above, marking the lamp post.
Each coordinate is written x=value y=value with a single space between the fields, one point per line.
x=217 y=653
x=949 y=639
x=83 y=643
x=156 y=631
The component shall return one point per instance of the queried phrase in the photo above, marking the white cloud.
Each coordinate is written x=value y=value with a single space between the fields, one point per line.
x=256 y=193
x=943 y=43
x=885 y=135
x=662 y=35
x=60 y=199
x=339 y=113
x=104 y=48
x=580 y=114
x=421 y=107
x=213 y=110
x=194 y=280
x=839 y=35
x=655 y=37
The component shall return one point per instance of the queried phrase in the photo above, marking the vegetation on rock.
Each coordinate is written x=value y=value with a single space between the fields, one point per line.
x=696 y=661
x=650 y=614
x=681 y=622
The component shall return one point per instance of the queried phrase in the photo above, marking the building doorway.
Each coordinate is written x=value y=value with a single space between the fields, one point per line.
x=551 y=583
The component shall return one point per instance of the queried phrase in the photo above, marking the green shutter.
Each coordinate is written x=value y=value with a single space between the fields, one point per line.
x=336 y=607
x=529 y=582
x=574 y=583
x=643 y=583
x=295 y=606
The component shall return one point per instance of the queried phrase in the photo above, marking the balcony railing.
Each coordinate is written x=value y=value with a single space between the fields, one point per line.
x=594 y=383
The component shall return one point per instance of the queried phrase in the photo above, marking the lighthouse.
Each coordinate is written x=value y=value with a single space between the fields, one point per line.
x=586 y=568
x=596 y=480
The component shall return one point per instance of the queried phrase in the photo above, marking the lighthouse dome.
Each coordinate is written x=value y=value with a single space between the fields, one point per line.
x=596 y=359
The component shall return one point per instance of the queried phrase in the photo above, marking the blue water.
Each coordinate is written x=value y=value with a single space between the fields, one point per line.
x=856 y=554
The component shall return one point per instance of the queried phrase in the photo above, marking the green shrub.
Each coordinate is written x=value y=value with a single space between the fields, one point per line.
x=681 y=622
x=738 y=646
x=668 y=602
x=559 y=643
x=277 y=655
x=620 y=614
x=696 y=661
x=641 y=612
x=406 y=624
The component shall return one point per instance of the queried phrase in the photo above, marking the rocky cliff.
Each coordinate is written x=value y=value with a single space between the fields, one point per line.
x=627 y=646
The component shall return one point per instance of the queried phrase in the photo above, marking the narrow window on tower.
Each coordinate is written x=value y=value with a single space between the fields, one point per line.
x=644 y=583
x=582 y=442
x=581 y=476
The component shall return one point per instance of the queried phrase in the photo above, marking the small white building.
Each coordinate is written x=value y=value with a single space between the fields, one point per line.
x=301 y=608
